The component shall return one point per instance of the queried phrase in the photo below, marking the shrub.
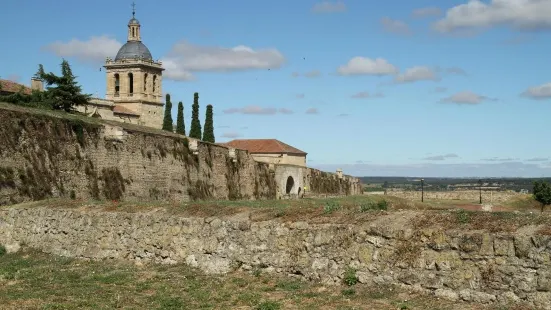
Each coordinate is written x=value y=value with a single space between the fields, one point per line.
x=331 y=206
x=350 y=277
x=381 y=205
x=268 y=305
x=3 y=250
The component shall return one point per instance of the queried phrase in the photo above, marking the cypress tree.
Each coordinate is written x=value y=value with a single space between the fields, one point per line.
x=208 y=133
x=195 y=130
x=180 y=126
x=167 y=121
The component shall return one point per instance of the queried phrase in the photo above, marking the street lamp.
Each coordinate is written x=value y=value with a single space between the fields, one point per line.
x=422 y=190
x=480 y=190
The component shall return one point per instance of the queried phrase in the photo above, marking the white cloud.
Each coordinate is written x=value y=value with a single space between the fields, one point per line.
x=312 y=111
x=518 y=14
x=364 y=95
x=418 y=73
x=441 y=157
x=329 y=7
x=538 y=159
x=466 y=97
x=538 y=92
x=426 y=12
x=395 y=26
x=500 y=159
x=456 y=70
x=257 y=110
x=184 y=58
x=367 y=66
x=312 y=74
x=95 y=49
x=309 y=74
x=231 y=135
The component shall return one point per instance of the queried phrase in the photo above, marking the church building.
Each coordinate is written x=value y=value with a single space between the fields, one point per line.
x=134 y=84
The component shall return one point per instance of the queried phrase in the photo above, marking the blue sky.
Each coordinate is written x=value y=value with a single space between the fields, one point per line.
x=424 y=88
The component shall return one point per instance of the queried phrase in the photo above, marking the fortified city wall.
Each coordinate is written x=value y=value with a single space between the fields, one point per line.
x=45 y=155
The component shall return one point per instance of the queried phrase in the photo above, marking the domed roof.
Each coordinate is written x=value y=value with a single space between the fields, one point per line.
x=132 y=50
x=133 y=21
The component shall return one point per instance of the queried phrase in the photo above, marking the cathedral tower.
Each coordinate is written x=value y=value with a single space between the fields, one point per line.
x=134 y=81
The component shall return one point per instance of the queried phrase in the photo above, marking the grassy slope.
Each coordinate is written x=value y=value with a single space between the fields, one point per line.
x=32 y=280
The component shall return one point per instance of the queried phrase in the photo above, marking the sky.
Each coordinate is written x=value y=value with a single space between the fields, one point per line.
x=457 y=88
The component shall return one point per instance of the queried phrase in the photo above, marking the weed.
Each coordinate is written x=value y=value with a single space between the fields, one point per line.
x=257 y=272
x=348 y=292
x=289 y=286
x=268 y=305
x=171 y=303
x=371 y=205
x=463 y=216
x=350 y=277
x=331 y=206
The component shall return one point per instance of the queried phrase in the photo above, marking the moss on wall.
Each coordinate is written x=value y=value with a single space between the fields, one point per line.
x=113 y=183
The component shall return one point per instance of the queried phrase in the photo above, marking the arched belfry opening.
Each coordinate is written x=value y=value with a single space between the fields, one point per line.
x=290 y=185
x=117 y=84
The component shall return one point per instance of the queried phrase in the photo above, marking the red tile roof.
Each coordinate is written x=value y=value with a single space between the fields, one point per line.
x=122 y=110
x=13 y=87
x=264 y=146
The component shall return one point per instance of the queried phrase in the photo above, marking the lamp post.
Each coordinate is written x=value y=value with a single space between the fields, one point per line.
x=422 y=190
x=480 y=190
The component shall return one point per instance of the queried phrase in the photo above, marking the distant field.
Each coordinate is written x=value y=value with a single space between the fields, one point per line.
x=33 y=280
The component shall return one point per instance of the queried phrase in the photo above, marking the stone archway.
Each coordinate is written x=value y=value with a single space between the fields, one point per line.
x=290 y=185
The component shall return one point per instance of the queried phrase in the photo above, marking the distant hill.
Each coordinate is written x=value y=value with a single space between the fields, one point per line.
x=515 y=184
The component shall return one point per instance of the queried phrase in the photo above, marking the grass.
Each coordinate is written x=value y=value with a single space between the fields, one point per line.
x=34 y=280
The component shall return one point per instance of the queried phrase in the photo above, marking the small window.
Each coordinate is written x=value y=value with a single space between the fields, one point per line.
x=145 y=82
x=154 y=90
x=130 y=83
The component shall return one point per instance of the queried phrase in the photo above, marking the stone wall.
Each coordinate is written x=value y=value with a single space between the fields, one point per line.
x=475 y=266
x=469 y=195
x=44 y=156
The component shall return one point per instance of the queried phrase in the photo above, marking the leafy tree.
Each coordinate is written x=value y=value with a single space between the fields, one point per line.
x=62 y=92
x=180 y=125
x=542 y=193
x=167 y=121
x=195 y=130
x=208 y=132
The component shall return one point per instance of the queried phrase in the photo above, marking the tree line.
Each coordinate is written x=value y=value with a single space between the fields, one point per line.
x=195 y=129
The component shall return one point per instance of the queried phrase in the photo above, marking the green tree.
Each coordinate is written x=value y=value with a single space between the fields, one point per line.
x=542 y=193
x=167 y=120
x=62 y=92
x=195 y=130
x=180 y=125
x=208 y=131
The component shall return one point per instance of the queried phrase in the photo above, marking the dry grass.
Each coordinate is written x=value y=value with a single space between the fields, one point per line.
x=343 y=210
x=33 y=280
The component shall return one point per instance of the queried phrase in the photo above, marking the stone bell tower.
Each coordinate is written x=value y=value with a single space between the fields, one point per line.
x=134 y=80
